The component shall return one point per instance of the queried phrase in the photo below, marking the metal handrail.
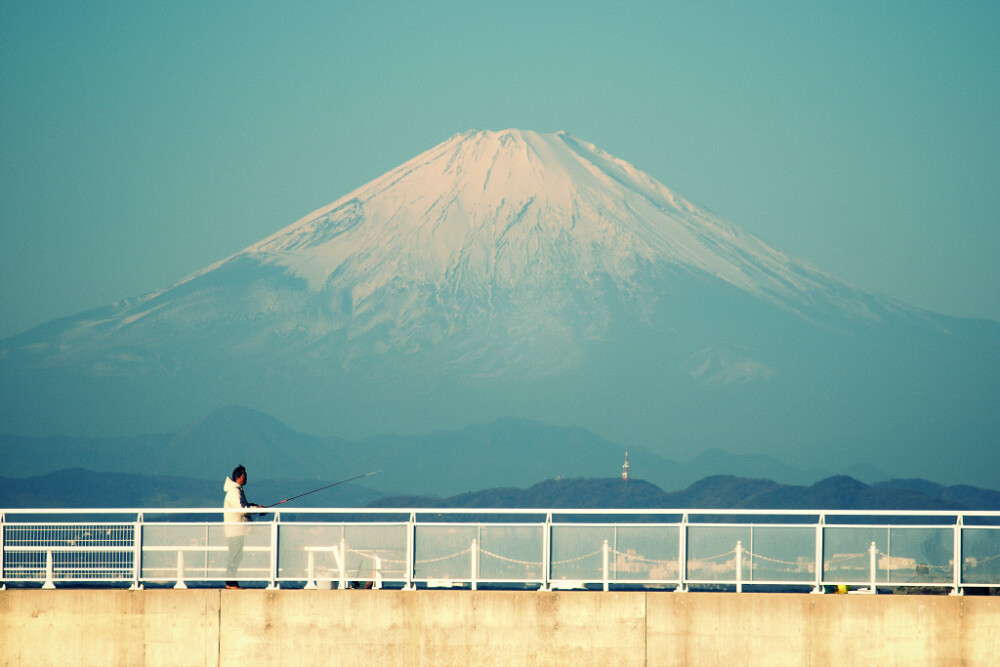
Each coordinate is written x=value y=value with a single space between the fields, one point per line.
x=398 y=561
x=567 y=511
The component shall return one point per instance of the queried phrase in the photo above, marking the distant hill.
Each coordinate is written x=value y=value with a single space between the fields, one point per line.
x=506 y=452
x=84 y=488
x=208 y=449
x=716 y=492
x=79 y=488
x=968 y=496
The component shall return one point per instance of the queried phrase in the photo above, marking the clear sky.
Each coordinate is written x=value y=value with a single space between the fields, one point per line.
x=142 y=141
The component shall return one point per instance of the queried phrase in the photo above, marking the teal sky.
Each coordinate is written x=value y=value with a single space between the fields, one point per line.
x=142 y=141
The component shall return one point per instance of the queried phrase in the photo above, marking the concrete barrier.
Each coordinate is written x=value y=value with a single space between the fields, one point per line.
x=789 y=629
x=356 y=627
x=109 y=627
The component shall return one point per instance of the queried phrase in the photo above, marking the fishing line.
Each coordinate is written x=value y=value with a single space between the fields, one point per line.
x=343 y=481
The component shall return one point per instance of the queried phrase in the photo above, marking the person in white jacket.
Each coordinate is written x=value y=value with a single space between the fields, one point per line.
x=235 y=523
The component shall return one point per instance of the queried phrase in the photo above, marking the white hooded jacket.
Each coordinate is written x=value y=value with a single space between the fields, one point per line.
x=235 y=521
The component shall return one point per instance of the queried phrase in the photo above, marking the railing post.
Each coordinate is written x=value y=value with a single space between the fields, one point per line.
x=378 y=572
x=604 y=559
x=311 y=571
x=872 y=553
x=547 y=553
x=342 y=584
x=818 y=588
x=273 y=584
x=180 y=570
x=49 y=584
x=682 y=555
x=3 y=550
x=411 y=535
x=137 y=554
x=957 y=558
x=474 y=564
x=739 y=566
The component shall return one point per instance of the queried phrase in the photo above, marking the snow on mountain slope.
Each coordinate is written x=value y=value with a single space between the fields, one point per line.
x=491 y=253
x=513 y=207
x=514 y=247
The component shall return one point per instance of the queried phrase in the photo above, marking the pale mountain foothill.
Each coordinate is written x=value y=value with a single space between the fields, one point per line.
x=506 y=463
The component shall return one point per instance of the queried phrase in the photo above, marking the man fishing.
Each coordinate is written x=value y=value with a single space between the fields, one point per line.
x=235 y=523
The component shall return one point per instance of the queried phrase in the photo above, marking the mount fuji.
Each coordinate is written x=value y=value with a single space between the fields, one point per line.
x=533 y=275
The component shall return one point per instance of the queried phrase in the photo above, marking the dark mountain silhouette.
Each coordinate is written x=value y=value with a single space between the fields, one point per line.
x=508 y=451
x=717 y=492
x=80 y=488
x=84 y=488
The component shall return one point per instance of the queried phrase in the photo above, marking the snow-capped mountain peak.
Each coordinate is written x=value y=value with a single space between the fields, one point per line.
x=497 y=253
x=511 y=206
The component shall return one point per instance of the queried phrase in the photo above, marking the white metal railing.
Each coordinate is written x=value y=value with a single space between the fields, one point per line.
x=547 y=549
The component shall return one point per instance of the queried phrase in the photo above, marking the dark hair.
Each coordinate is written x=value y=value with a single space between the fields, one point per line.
x=237 y=471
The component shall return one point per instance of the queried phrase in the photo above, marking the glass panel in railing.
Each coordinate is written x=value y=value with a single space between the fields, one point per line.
x=919 y=555
x=511 y=553
x=309 y=551
x=711 y=552
x=981 y=555
x=175 y=551
x=781 y=554
x=577 y=552
x=442 y=553
x=375 y=551
x=241 y=552
x=646 y=553
x=847 y=557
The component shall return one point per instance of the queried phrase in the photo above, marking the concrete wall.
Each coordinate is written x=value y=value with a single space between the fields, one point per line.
x=297 y=627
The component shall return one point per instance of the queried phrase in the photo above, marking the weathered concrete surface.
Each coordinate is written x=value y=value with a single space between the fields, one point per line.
x=108 y=627
x=434 y=628
x=800 y=629
x=213 y=627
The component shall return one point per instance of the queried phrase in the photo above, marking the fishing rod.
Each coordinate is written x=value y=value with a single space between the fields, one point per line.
x=343 y=481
